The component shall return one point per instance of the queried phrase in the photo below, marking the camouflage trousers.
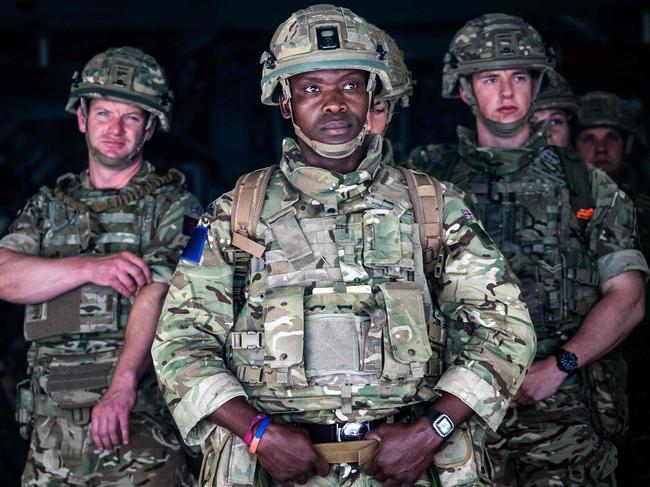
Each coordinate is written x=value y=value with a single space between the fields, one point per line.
x=552 y=444
x=63 y=453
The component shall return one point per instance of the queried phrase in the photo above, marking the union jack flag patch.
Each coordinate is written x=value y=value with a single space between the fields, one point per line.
x=469 y=216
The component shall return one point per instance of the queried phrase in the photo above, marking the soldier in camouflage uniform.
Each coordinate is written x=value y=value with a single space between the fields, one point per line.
x=335 y=313
x=569 y=235
x=383 y=109
x=557 y=104
x=92 y=258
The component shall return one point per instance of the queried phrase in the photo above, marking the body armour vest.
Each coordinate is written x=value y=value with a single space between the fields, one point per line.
x=312 y=337
x=78 y=336
x=524 y=201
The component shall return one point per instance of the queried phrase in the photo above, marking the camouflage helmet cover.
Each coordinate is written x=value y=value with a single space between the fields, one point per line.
x=493 y=41
x=322 y=37
x=401 y=81
x=557 y=94
x=125 y=74
x=599 y=108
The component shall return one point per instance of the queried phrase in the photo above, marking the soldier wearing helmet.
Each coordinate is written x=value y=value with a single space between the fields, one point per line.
x=92 y=258
x=383 y=108
x=307 y=334
x=557 y=104
x=569 y=235
x=608 y=130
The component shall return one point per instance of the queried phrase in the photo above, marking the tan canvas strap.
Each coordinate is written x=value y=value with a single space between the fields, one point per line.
x=248 y=201
x=117 y=201
x=347 y=451
x=426 y=197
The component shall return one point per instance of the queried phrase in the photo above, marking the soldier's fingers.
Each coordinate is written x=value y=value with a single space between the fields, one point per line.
x=94 y=429
x=112 y=432
x=101 y=436
x=128 y=284
x=302 y=479
x=133 y=272
x=370 y=467
x=124 y=428
x=141 y=264
x=322 y=467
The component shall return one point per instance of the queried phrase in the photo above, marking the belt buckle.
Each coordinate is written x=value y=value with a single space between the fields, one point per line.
x=352 y=431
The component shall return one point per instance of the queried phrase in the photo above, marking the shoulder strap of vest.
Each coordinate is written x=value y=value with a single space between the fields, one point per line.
x=247 y=204
x=140 y=191
x=579 y=182
x=426 y=197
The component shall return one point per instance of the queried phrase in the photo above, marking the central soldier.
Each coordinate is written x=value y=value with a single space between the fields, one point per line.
x=336 y=320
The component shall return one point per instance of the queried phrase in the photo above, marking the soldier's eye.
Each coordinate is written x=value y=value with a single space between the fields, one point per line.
x=312 y=89
x=353 y=85
x=557 y=122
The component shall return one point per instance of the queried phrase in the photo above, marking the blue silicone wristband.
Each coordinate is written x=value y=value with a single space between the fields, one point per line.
x=262 y=427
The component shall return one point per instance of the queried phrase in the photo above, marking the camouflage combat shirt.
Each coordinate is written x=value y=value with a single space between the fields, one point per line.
x=490 y=340
x=151 y=227
x=522 y=197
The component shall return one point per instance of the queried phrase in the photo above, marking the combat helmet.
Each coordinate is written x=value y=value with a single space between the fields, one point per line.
x=557 y=94
x=495 y=41
x=401 y=81
x=603 y=109
x=324 y=37
x=125 y=74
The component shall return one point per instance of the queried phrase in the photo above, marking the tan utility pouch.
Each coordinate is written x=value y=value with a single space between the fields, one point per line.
x=87 y=309
x=78 y=381
x=24 y=407
x=462 y=461
x=607 y=396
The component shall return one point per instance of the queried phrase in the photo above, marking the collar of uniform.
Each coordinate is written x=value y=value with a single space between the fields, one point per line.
x=499 y=161
x=143 y=173
x=329 y=187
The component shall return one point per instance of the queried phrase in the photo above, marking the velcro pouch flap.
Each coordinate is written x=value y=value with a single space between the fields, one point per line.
x=407 y=327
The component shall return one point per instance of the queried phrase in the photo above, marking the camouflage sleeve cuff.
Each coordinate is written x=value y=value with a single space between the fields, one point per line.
x=200 y=402
x=486 y=401
x=161 y=274
x=615 y=263
x=20 y=243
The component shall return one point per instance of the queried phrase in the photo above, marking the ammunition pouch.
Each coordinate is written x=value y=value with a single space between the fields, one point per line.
x=87 y=309
x=25 y=408
x=606 y=381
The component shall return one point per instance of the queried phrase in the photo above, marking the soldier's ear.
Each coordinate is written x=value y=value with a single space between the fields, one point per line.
x=81 y=120
x=463 y=93
x=285 y=109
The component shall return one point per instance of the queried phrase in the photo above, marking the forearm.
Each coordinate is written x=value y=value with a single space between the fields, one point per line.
x=140 y=330
x=611 y=320
x=28 y=279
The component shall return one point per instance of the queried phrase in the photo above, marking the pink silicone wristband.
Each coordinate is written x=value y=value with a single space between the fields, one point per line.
x=249 y=434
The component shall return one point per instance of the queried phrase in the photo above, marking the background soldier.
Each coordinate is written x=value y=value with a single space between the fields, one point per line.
x=557 y=104
x=329 y=327
x=580 y=273
x=383 y=108
x=88 y=257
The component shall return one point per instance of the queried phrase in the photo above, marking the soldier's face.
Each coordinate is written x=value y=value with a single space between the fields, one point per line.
x=329 y=106
x=114 y=128
x=559 y=133
x=378 y=118
x=503 y=95
x=603 y=147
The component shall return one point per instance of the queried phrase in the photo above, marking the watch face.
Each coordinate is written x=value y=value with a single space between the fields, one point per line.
x=443 y=425
x=567 y=361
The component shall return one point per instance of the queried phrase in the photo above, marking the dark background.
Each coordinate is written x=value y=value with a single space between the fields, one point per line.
x=220 y=129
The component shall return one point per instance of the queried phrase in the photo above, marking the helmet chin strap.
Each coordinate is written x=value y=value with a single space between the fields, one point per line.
x=332 y=151
x=503 y=130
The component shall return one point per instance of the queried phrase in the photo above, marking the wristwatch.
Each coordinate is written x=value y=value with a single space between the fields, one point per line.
x=440 y=422
x=566 y=361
